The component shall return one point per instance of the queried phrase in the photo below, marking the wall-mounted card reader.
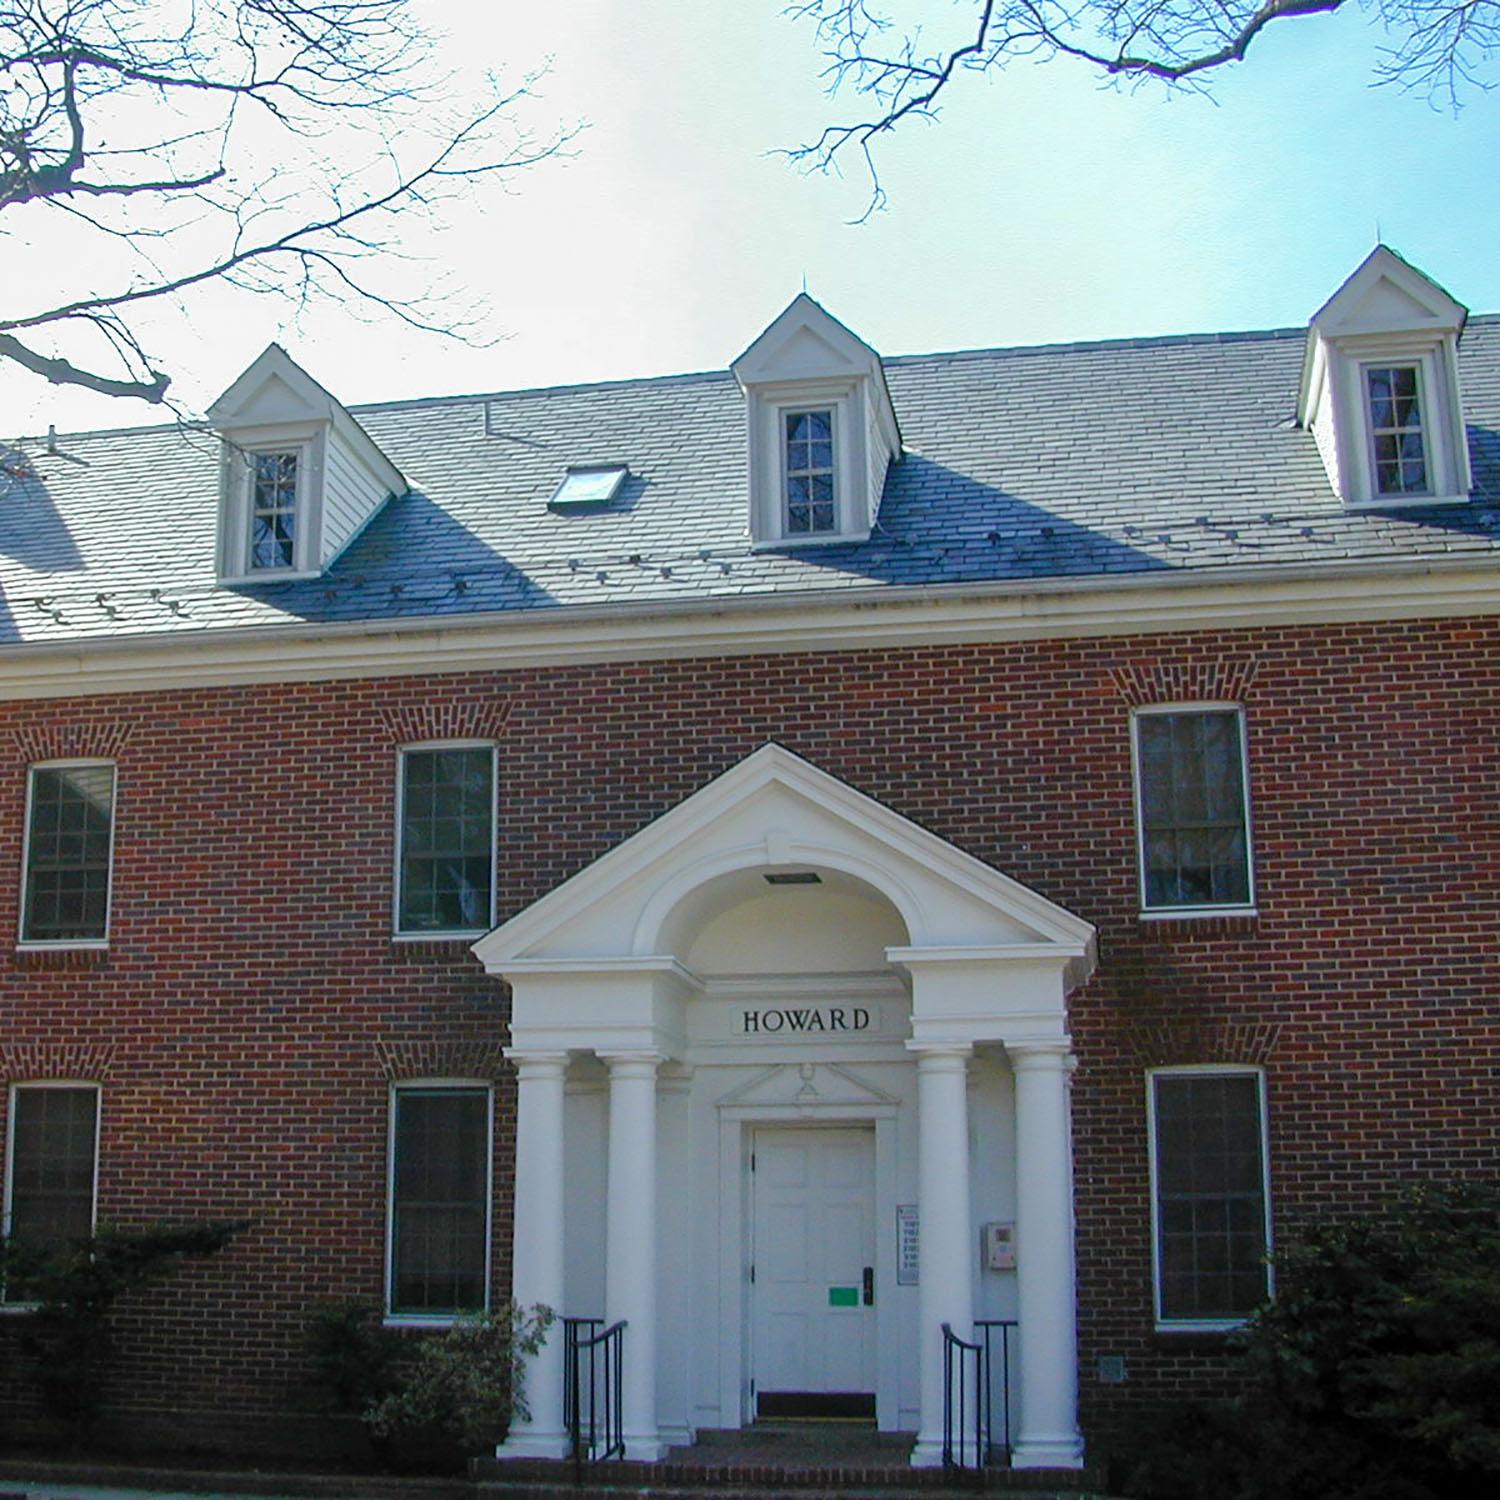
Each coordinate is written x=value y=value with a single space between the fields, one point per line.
x=999 y=1247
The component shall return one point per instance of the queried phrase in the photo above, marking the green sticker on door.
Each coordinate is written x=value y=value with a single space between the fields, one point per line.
x=843 y=1296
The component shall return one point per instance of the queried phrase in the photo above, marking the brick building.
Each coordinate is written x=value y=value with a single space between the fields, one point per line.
x=789 y=858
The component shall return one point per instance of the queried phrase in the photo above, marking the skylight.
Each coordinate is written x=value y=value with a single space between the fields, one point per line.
x=589 y=484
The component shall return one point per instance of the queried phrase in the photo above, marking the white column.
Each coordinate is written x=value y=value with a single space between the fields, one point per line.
x=537 y=1263
x=1048 y=1435
x=945 y=1248
x=630 y=1242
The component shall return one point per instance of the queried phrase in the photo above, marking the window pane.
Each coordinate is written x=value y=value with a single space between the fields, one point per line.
x=51 y=1170
x=1210 y=1186
x=67 y=853
x=440 y=1199
x=447 y=839
x=1393 y=401
x=273 y=509
x=808 y=469
x=1192 y=794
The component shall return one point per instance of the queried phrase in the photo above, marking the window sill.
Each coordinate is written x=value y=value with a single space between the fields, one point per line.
x=429 y=1320
x=821 y=539
x=468 y=935
x=19 y=1309
x=1405 y=502
x=1196 y=913
x=1215 y=1329
x=270 y=575
x=60 y=955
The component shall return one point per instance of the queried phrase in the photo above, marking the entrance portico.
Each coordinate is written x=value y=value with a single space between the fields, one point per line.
x=781 y=966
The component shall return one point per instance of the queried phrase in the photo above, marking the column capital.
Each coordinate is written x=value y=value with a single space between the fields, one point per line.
x=538 y=1065
x=632 y=1064
x=934 y=1054
x=1041 y=1057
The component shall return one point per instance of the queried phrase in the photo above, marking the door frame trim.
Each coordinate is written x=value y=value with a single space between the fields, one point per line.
x=737 y=1125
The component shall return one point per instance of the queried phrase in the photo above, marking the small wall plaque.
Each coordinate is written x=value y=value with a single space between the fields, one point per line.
x=906 y=1244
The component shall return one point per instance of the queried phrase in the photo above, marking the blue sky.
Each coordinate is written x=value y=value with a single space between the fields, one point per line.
x=1042 y=207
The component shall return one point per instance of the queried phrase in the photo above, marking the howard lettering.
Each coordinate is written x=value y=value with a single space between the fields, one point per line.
x=810 y=1018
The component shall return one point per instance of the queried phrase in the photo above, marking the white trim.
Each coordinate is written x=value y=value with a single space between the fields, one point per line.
x=308 y=444
x=1204 y=1070
x=1224 y=909
x=918 y=615
x=451 y=1085
x=67 y=945
x=10 y=1162
x=440 y=934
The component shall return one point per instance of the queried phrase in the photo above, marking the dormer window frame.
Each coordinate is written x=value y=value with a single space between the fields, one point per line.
x=1445 y=450
x=769 y=408
x=307 y=441
x=1387 y=315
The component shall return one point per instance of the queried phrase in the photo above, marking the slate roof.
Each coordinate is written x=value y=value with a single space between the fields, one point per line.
x=1077 y=461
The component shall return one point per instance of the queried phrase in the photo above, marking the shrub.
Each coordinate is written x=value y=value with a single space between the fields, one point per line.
x=427 y=1399
x=1374 y=1375
x=68 y=1336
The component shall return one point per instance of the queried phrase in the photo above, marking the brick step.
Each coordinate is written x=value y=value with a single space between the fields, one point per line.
x=520 y=1489
x=539 y=1479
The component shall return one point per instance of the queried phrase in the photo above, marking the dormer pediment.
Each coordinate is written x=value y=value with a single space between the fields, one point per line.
x=821 y=427
x=1387 y=296
x=300 y=478
x=1380 y=391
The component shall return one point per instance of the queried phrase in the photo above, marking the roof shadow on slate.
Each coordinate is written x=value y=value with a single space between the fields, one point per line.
x=32 y=533
x=939 y=525
x=413 y=559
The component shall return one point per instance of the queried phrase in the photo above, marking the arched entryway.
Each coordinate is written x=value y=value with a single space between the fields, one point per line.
x=783 y=971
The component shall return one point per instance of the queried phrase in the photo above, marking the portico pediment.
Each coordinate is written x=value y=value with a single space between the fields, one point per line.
x=776 y=814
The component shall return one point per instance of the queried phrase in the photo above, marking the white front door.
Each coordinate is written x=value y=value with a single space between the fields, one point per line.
x=813 y=1259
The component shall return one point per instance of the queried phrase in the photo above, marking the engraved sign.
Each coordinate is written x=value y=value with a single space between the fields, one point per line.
x=906 y=1244
x=818 y=1019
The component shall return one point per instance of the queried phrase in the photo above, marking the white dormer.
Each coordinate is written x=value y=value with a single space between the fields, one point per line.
x=299 y=478
x=821 y=429
x=1380 y=388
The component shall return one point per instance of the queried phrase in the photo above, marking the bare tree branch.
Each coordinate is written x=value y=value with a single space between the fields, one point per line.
x=267 y=144
x=1438 y=46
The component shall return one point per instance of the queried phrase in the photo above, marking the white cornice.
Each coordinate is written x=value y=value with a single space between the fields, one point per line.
x=845 y=619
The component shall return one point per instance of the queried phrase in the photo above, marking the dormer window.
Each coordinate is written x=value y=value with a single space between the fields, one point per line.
x=273 y=509
x=1380 y=393
x=809 y=472
x=821 y=430
x=1394 y=406
x=300 y=477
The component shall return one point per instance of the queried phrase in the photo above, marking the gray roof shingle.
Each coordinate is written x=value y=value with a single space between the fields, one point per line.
x=1089 y=460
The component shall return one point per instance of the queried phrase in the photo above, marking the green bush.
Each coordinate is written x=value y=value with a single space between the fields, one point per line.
x=428 y=1400
x=1373 y=1375
x=68 y=1336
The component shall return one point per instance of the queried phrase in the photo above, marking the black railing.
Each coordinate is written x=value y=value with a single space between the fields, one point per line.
x=974 y=1384
x=990 y=1332
x=966 y=1390
x=591 y=1390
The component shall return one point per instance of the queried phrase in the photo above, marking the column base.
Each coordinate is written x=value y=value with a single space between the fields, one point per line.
x=645 y=1448
x=527 y=1444
x=1065 y=1451
x=927 y=1452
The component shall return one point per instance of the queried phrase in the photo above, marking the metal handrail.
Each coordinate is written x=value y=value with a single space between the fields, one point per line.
x=986 y=1329
x=603 y=1420
x=966 y=1416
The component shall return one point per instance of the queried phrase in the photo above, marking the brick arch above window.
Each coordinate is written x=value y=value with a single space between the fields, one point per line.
x=400 y=1059
x=456 y=720
x=1224 y=679
x=42 y=1062
x=1166 y=1044
x=96 y=739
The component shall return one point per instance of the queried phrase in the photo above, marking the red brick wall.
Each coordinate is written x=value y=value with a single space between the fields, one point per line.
x=252 y=1008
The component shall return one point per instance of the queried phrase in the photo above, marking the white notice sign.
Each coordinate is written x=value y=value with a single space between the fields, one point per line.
x=906 y=1244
